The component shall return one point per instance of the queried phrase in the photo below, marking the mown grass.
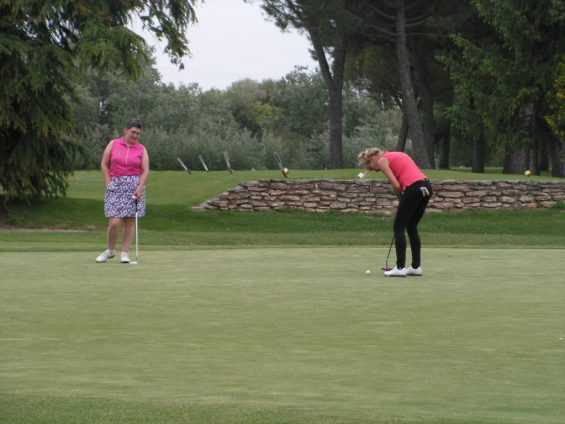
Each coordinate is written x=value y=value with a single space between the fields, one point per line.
x=175 y=187
x=269 y=318
x=282 y=335
x=170 y=220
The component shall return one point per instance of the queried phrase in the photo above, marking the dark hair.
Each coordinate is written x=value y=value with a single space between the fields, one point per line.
x=134 y=123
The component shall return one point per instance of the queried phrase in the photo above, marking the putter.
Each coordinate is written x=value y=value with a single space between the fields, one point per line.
x=136 y=235
x=227 y=158
x=184 y=166
x=281 y=167
x=203 y=163
x=386 y=267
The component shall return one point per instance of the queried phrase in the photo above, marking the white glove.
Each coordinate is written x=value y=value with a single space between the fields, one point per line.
x=425 y=192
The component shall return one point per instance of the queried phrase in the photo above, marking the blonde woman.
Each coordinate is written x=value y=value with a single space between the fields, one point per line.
x=413 y=190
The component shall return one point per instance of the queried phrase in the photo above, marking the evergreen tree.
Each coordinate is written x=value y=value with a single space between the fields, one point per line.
x=331 y=26
x=45 y=46
x=504 y=75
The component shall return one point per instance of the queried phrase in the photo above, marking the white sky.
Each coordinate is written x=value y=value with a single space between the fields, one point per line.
x=234 y=40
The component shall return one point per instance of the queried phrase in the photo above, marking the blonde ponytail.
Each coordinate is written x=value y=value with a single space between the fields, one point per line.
x=366 y=155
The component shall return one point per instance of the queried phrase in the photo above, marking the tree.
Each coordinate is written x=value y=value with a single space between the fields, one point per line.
x=45 y=46
x=508 y=71
x=245 y=99
x=301 y=101
x=556 y=120
x=556 y=116
x=407 y=89
x=390 y=37
x=331 y=26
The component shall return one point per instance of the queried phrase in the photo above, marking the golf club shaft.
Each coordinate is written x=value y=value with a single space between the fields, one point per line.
x=136 y=237
x=386 y=268
x=136 y=227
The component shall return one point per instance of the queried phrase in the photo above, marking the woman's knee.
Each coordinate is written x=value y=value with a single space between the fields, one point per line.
x=412 y=230
x=115 y=223
x=398 y=229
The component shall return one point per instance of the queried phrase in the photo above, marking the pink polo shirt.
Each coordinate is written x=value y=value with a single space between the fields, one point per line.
x=404 y=168
x=125 y=161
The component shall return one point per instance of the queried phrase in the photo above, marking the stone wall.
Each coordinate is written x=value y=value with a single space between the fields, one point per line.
x=376 y=195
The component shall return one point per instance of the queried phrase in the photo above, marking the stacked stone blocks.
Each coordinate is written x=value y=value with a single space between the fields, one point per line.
x=354 y=196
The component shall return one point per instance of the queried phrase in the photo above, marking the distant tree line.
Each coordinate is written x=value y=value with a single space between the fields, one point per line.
x=464 y=82
x=250 y=120
x=481 y=76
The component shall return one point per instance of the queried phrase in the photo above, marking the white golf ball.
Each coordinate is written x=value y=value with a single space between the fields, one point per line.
x=360 y=175
x=368 y=272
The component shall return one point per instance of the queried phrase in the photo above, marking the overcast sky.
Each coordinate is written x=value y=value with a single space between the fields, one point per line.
x=233 y=40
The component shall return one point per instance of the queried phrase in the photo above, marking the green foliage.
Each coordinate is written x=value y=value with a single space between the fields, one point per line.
x=505 y=69
x=44 y=47
x=35 y=112
x=371 y=69
x=249 y=120
x=302 y=101
x=556 y=115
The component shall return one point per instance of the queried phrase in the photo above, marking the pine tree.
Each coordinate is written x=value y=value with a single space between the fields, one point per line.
x=45 y=46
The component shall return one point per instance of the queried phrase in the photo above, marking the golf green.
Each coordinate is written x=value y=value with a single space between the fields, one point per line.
x=281 y=335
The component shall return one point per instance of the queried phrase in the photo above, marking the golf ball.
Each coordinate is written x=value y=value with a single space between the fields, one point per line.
x=360 y=175
x=368 y=272
x=527 y=173
x=285 y=170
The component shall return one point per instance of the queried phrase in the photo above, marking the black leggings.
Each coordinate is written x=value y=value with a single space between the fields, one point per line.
x=410 y=211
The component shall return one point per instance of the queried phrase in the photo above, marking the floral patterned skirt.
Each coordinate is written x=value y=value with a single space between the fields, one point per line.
x=119 y=201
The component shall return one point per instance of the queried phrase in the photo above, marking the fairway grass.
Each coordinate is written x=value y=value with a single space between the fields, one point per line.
x=282 y=335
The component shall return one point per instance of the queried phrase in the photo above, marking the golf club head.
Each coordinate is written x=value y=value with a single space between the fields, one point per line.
x=386 y=268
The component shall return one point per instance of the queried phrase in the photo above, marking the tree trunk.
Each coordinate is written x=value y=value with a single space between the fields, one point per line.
x=544 y=155
x=428 y=124
x=407 y=88
x=402 y=134
x=422 y=77
x=553 y=148
x=543 y=136
x=336 y=127
x=533 y=158
x=558 y=158
x=479 y=153
x=515 y=160
x=444 y=138
x=334 y=82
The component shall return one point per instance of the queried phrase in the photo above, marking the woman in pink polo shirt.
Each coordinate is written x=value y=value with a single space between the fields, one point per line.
x=125 y=165
x=413 y=190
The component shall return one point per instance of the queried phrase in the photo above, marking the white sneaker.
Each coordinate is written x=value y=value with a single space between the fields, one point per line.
x=414 y=271
x=395 y=272
x=124 y=258
x=105 y=255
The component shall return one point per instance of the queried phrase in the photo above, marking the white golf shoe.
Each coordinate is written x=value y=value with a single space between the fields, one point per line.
x=124 y=258
x=105 y=255
x=395 y=272
x=414 y=271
